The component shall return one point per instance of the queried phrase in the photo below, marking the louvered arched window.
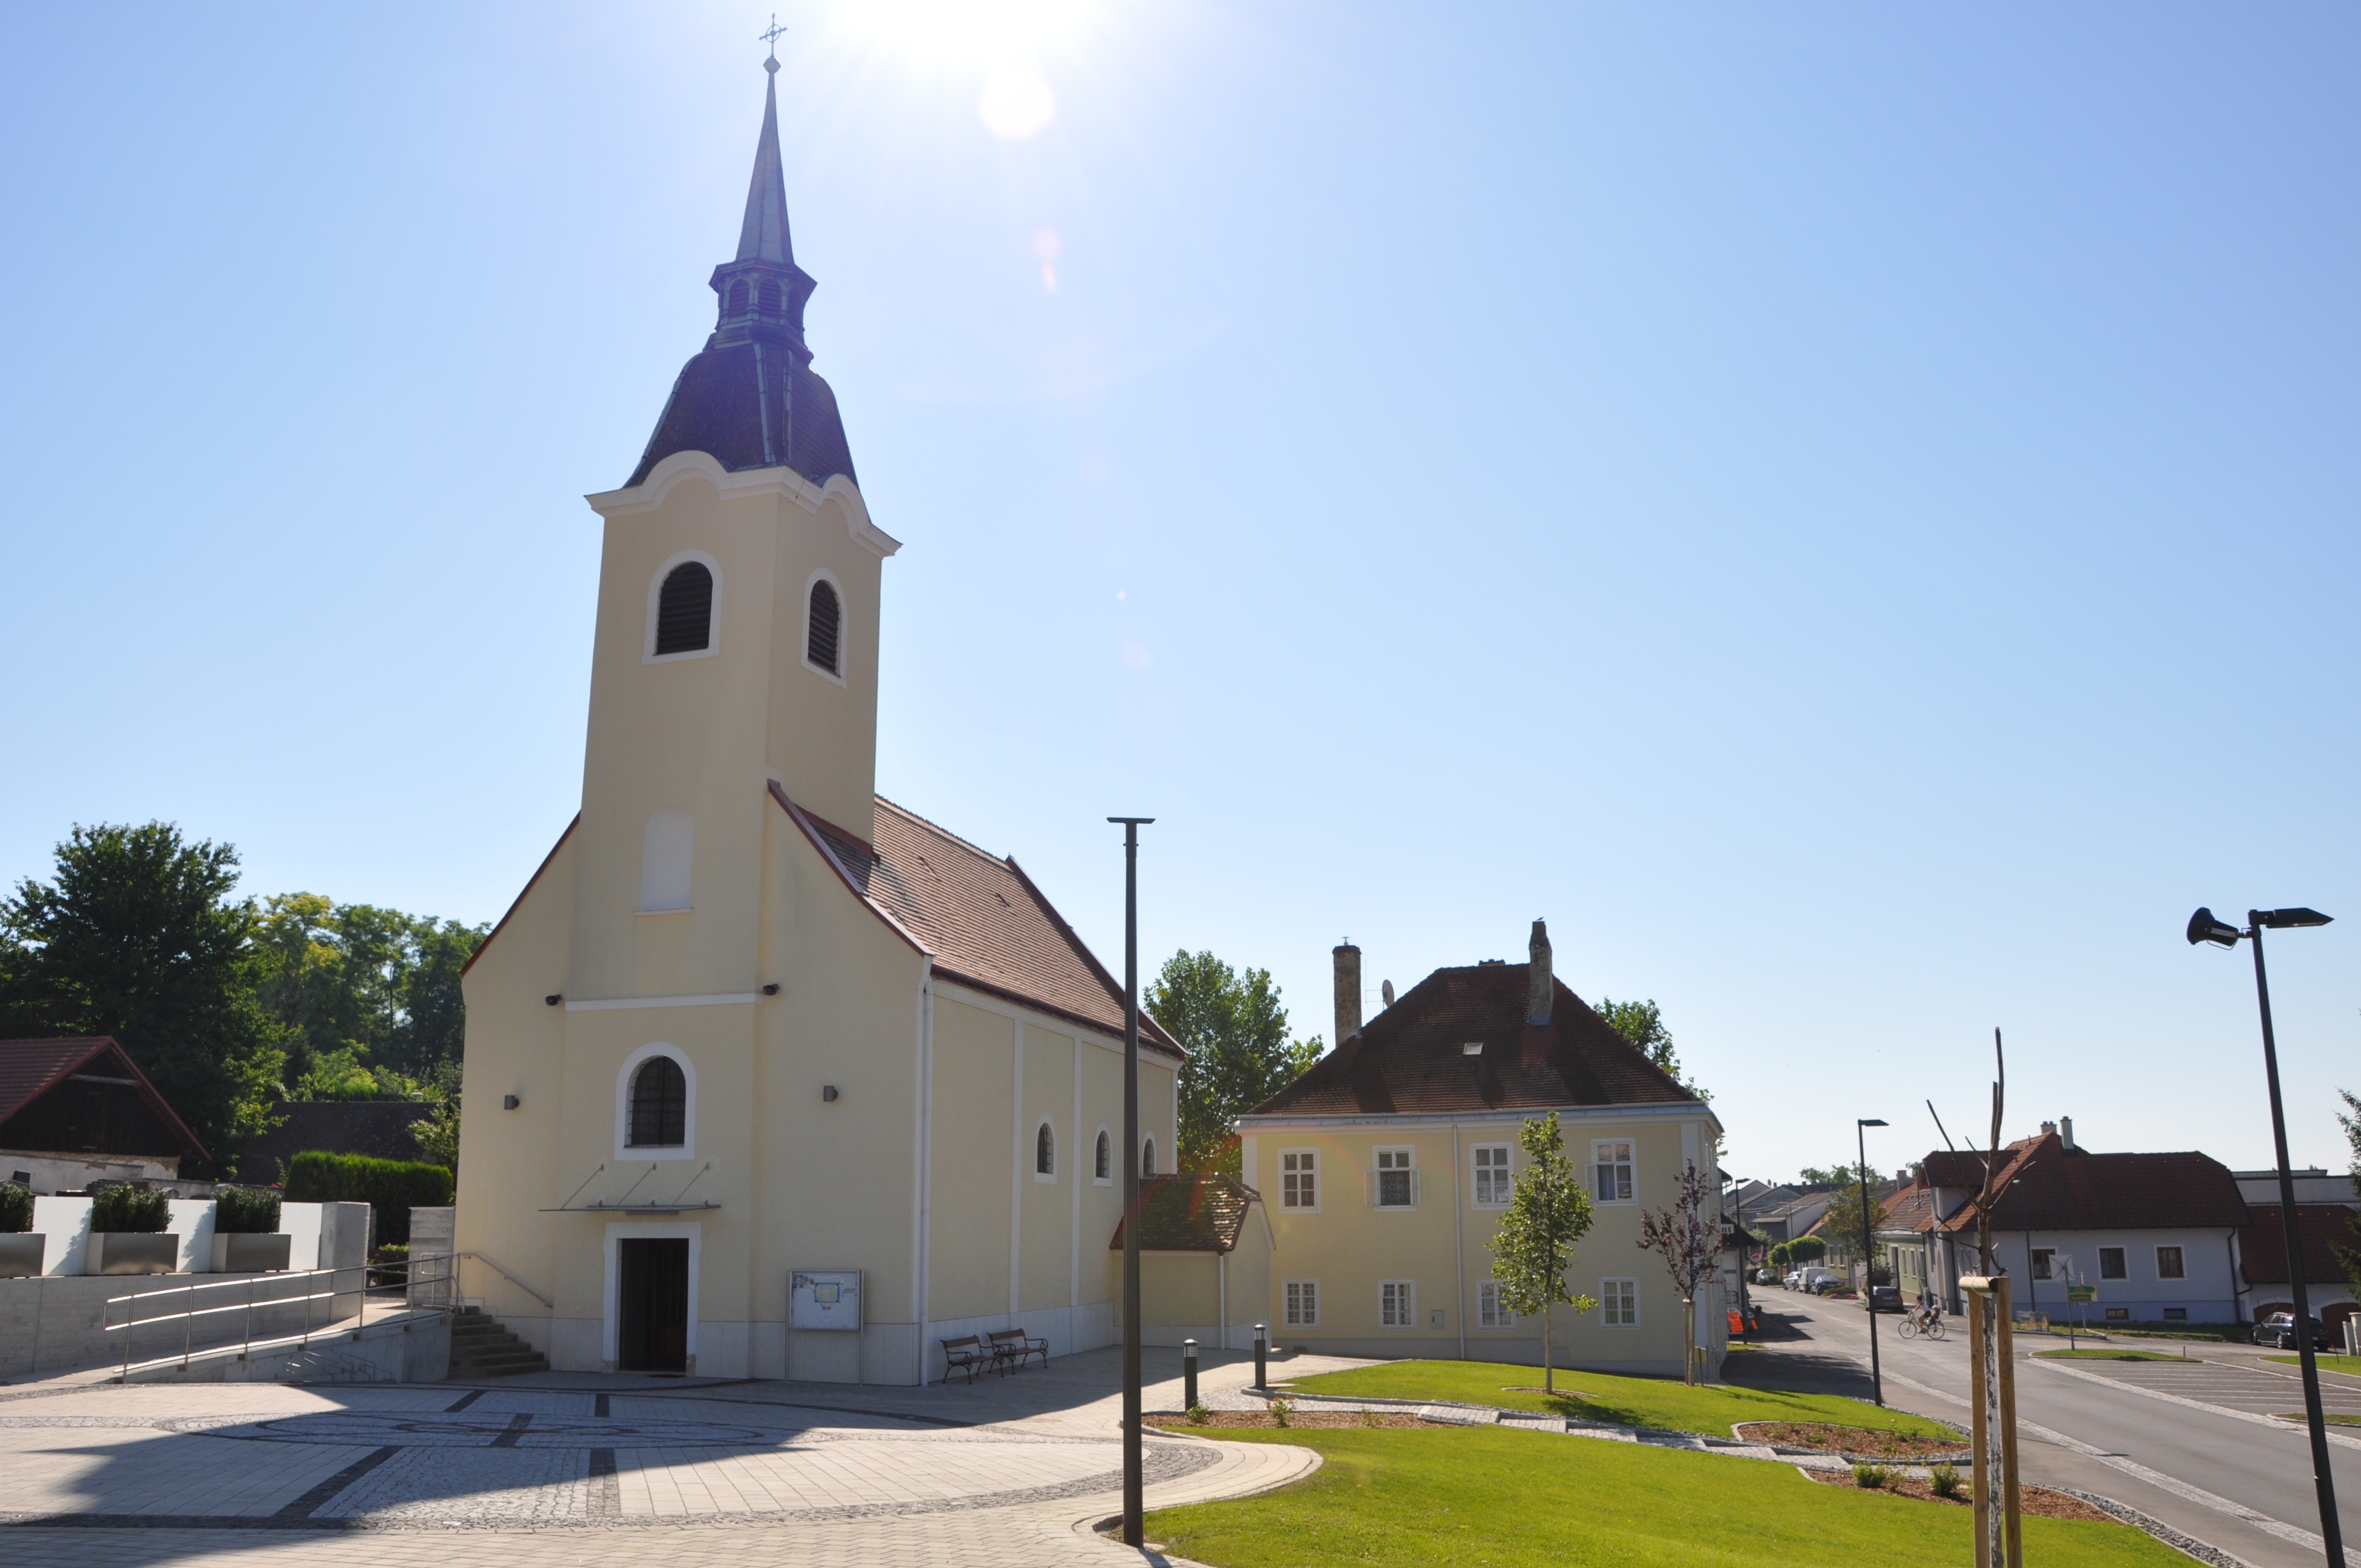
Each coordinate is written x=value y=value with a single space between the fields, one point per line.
x=737 y=298
x=684 y=609
x=824 y=629
x=1045 y=1152
x=659 y=1105
x=770 y=296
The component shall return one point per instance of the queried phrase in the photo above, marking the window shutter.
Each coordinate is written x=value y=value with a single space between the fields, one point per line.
x=1368 y=1189
x=1413 y=1188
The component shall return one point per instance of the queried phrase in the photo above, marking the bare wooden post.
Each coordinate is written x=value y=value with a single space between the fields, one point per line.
x=1992 y=1394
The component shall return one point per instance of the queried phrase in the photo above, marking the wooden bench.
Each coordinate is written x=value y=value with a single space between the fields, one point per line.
x=967 y=1353
x=1011 y=1346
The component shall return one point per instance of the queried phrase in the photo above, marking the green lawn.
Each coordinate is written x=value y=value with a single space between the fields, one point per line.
x=2349 y=1364
x=1488 y=1498
x=2106 y=1356
x=2331 y=1418
x=1603 y=1396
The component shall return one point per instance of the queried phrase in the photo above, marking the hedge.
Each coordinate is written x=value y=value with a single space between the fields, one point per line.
x=120 y=1211
x=392 y=1188
x=244 y=1212
x=16 y=1208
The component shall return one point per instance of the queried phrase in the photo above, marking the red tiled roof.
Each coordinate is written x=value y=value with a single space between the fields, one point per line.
x=1201 y=1213
x=30 y=1068
x=1412 y=1056
x=979 y=915
x=2051 y=1187
x=2323 y=1227
x=1912 y=1208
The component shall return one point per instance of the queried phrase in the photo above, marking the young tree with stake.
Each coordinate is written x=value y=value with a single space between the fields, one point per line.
x=1691 y=1245
x=1535 y=1245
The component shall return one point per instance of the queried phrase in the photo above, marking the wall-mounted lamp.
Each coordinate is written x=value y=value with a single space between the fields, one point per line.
x=552 y=998
x=827 y=1093
x=509 y=1102
x=772 y=989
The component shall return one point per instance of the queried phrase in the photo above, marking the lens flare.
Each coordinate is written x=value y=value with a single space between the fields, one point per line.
x=1016 y=103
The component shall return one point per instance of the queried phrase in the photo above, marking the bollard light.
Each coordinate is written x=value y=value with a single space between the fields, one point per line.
x=1188 y=1375
x=1262 y=1349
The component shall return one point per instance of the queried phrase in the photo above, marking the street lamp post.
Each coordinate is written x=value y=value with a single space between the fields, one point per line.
x=1737 y=1205
x=1134 y=1532
x=1860 y=1142
x=2204 y=928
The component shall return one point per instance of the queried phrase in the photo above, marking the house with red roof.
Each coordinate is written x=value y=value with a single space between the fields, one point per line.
x=77 y=1110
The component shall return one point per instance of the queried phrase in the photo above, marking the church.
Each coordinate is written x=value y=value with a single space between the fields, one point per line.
x=767 y=1076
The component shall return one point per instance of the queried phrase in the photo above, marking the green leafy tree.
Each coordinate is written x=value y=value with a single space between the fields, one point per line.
x=1841 y=1222
x=1239 y=1055
x=1807 y=1249
x=138 y=936
x=1780 y=1255
x=370 y=996
x=437 y=1137
x=1534 y=1244
x=2350 y=1256
x=1642 y=1023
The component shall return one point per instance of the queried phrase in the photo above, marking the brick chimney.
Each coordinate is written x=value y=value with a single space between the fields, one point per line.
x=1542 y=997
x=1348 y=992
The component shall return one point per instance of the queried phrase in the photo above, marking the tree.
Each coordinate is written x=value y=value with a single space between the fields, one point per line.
x=1239 y=1055
x=1782 y=1254
x=2350 y=1256
x=1642 y=1023
x=139 y=936
x=370 y=996
x=1841 y=1222
x=1691 y=1246
x=1806 y=1250
x=1534 y=1244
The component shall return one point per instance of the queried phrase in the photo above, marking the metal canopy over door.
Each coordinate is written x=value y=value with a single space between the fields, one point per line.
x=652 y=1305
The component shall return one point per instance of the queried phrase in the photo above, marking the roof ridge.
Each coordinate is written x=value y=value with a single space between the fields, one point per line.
x=933 y=826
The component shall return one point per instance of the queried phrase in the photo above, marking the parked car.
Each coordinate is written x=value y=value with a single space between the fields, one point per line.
x=1766 y=1277
x=2279 y=1330
x=1885 y=1298
x=1819 y=1281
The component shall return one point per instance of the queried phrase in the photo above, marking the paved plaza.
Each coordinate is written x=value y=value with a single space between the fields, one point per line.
x=573 y=1469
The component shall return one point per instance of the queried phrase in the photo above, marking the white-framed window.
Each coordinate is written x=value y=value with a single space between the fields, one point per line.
x=1103 y=1160
x=1618 y=1303
x=1397 y=1304
x=1491 y=1313
x=667 y=860
x=1148 y=1156
x=2045 y=1262
x=824 y=627
x=1045 y=1152
x=1394 y=1183
x=655 y=1104
x=1494 y=1184
x=1298 y=1179
x=2168 y=1265
x=1610 y=1166
x=684 y=609
x=2111 y=1262
x=1301 y=1299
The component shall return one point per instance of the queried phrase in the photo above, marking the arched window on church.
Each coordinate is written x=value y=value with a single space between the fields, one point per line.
x=684 y=609
x=1045 y=1152
x=737 y=298
x=823 y=628
x=659 y=1105
x=1102 y=1166
x=1147 y=1157
x=770 y=296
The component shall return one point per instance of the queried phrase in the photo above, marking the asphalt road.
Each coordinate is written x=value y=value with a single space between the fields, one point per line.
x=2241 y=1484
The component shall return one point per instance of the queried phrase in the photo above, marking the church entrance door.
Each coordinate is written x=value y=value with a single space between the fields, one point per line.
x=652 y=1327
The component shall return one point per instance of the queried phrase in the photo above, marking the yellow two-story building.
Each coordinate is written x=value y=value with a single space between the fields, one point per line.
x=1386 y=1168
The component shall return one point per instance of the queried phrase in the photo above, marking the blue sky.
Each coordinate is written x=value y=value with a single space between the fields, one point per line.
x=1849 y=510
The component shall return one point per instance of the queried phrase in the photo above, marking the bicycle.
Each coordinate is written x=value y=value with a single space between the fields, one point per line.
x=1929 y=1322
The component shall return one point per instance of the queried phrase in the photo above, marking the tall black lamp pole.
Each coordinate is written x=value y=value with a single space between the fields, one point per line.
x=1134 y=1532
x=2204 y=928
x=1738 y=1200
x=1868 y=1284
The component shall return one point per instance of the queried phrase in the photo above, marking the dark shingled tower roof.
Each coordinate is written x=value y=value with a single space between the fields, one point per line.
x=750 y=399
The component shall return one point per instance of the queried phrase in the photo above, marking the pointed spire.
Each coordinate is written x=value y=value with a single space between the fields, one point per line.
x=764 y=235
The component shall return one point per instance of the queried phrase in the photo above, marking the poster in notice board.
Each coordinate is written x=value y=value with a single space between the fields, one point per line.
x=824 y=1299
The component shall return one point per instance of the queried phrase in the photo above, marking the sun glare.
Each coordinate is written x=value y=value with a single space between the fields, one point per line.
x=995 y=34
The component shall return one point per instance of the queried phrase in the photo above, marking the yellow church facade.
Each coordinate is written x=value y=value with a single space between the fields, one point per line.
x=766 y=1076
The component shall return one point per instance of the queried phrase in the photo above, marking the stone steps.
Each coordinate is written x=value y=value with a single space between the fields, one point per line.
x=481 y=1348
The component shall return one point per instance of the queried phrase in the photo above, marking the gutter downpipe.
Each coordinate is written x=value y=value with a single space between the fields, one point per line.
x=1459 y=1248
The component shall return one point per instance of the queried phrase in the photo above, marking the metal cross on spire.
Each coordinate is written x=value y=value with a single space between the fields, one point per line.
x=772 y=37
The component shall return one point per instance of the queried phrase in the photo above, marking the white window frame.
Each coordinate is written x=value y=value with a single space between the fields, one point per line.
x=2180 y=1261
x=1380 y=1170
x=2122 y=1253
x=1505 y=1182
x=1289 y=1311
x=686 y=1147
x=1045 y=1177
x=1609 y=1296
x=1630 y=1162
x=1105 y=1140
x=1309 y=1169
x=1408 y=1300
x=648 y=654
x=1491 y=1313
x=843 y=626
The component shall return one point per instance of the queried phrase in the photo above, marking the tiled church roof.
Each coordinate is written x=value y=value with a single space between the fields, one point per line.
x=980 y=915
x=1413 y=1056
